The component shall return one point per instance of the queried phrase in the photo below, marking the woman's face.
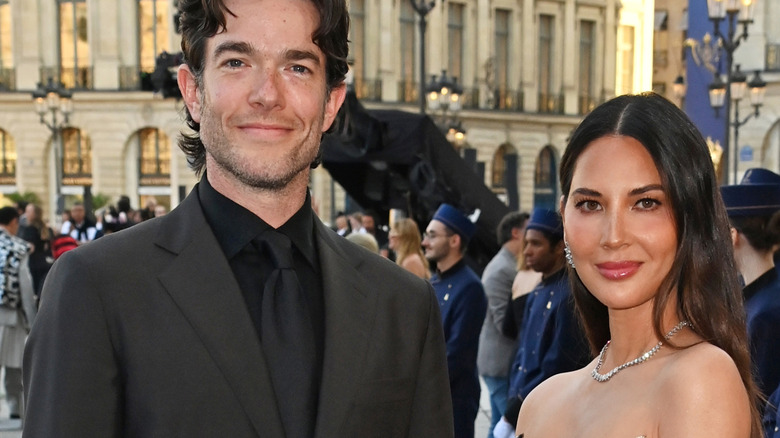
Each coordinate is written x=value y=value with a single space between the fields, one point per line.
x=619 y=223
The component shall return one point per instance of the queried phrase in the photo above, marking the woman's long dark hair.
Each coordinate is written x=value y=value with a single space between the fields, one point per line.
x=704 y=272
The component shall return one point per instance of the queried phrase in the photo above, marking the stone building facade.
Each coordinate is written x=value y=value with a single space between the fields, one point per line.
x=530 y=69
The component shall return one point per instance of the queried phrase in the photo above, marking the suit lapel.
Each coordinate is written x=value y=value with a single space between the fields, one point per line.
x=201 y=283
x=349 y=311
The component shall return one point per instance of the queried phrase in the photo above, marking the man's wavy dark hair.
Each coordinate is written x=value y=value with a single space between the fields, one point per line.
x=202 y=19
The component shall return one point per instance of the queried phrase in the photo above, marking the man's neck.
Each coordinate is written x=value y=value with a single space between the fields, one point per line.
x=552 y=271
x=275 y=207
x=753 y=264
x=448 y=262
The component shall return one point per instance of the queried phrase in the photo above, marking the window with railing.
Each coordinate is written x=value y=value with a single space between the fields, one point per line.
x=773 y=57
x=6 y=47
x=357 y=42
x=154 y=28
x=154 y=157
x=407 y=89
x=75 y=69
x=7 y=159
x=547 y=96
x=455 y=39
x=502 y=49
x=587 y=66
x=76 y=158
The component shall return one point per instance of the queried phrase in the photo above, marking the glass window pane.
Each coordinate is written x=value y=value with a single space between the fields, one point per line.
x=153 y=31
x=502 y=49
x=456 y=37
x=6 y=55
x=357 y=15
x=408 y=38
x=76 y=158
x=7 y=158
x=546 y=34
x=74 y=43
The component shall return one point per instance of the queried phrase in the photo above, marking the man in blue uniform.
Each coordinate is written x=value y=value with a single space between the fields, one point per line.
x=463 y=306
x=551 y=340
x=752 y=207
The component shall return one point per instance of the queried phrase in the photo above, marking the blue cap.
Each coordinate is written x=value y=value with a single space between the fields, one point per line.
x=757 y=195
x=455 y=220
x=758 y=175
x=545 y=220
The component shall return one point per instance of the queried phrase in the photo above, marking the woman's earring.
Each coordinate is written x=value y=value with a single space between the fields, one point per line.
x=567 y=251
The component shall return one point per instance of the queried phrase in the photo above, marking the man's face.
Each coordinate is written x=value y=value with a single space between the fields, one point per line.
x=539 y=254
x=77 y=213
x=368 y=223
x=263 y=103
x=341 y=222
x=437 y=241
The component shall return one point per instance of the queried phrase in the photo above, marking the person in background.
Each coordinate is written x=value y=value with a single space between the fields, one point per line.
x=240 y=314
x=80 y=227
x=496 y=351
x=772 y=416
x=655 y=283
x=342 y=227
x=17 y=306
x=39 y=235
x=160 y=210
x=463 y=306
x=405 y=241
x=550 y=338
x=365 y=240
x=753 y=207
x=369 y=221
x=356 y=222
x=525 y=281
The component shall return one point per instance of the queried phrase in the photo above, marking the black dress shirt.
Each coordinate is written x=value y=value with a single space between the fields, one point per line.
x=234 y=227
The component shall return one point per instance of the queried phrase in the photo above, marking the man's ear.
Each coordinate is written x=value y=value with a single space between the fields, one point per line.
x=735 y=239
x=335 y=100
x=188 y=86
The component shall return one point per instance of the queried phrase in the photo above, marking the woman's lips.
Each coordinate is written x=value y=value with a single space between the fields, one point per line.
x=618 y=270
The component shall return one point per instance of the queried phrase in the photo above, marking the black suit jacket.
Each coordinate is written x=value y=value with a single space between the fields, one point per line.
x=145 y=333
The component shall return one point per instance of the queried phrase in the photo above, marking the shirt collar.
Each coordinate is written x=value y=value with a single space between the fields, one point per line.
x=234 y=226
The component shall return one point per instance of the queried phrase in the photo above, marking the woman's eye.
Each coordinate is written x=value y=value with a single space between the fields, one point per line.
x=588 y=205
x=647 y=203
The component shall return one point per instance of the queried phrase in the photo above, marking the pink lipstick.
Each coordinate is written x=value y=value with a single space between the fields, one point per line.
x=618 y=270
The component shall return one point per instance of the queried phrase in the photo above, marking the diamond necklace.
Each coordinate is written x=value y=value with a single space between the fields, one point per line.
x=604 y=377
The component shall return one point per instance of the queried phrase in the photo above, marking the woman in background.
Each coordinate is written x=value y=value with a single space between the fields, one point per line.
x=405 y=240
x=655 y=282
x=39 y=235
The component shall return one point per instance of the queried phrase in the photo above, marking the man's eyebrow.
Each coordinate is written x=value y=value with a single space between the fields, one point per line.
x=233 y=46
x=300 y=55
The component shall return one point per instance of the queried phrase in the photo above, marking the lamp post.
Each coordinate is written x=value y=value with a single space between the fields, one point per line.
x=736 y=90
x=735 y=12
x=422 y=8
x=443 y=94
x=54 y=100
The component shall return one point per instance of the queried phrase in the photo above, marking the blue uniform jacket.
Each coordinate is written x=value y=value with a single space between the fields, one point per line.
x=551 y=340
x=772 y=416
x=762 y=305
x=463 y=307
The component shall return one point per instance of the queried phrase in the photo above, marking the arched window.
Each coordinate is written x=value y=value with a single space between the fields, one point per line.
x=76 y=158
x=154 y=157
x=7 y=159
x=500 y=165
x=545 y=179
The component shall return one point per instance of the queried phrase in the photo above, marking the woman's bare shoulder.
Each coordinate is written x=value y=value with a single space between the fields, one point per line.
x=703 y=394
x=548 y=398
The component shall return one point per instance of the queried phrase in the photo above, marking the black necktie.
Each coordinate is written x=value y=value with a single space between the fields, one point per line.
x=287 y=336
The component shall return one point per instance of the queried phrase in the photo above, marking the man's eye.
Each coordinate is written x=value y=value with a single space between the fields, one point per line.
x=299 y=69
x=234 y=63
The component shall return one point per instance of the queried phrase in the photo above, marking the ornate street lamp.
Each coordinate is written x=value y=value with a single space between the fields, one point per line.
x=735 y=12
x=422 y=7
x=53 y=100
x=443 y=94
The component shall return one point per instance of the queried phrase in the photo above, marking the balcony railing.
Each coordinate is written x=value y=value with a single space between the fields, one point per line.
x=80 y=78
x=408 y=91
x=368 y=89
x=551 y=103
x=586 y=104
x=773 y=57
x=7 y=79
x=509 y=100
